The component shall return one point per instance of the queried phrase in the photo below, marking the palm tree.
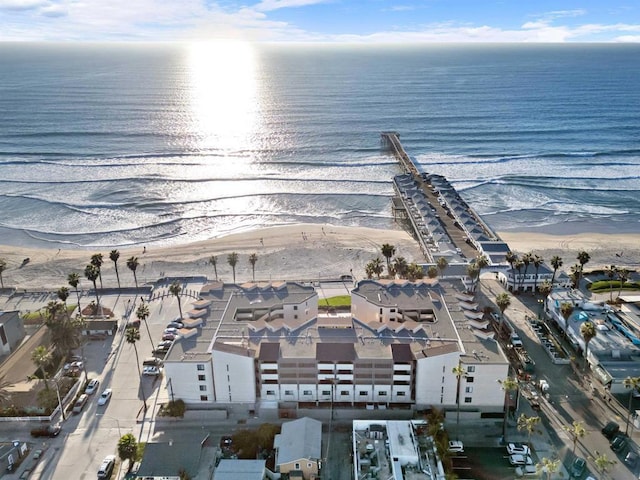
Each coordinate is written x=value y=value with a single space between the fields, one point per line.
x=556 y=263
x=442 y=265
x=132 y=335
x=548 y=466
x=583 y=258
x=473 y=272
x=388 y=251
x=432 y=272
x=482 y=262
x=213 y=261
x=232 y=260
x=92 y=274
x=611 y=272
x=527 y=259
x=114 y=256
x=517 y=265
x=97 y=261
x=576 y=431
x=368 y=270
x=633 y=384
x=537 y=262
x=545 y=289
x=73 y=279
x=3 y=267
x=253 y=258
x=623 y=275
x=142 y=313
x=414 y=271
x=459 y=373
x=603 y=463
x=128 y=449
x=400 y=266
x=503 y=300
x=175 y=289
x=588 y=332
x=132 y=264
x=575 y=275
x=508 y=385
x=63 y=294
x=566 y=309
x=511 y=258
x=41 y=357
x=529 y=424
x=377 y=266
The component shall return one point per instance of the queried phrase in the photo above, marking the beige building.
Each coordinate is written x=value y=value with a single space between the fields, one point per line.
x=298 y=449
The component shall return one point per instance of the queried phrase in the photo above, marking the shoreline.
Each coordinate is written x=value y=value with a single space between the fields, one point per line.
x=288 y=252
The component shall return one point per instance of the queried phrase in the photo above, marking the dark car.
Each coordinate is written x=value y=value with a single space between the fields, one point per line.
x=46 y=431
x=619 y=443
x=578 y=467
x=610 y=430
x=631 y=459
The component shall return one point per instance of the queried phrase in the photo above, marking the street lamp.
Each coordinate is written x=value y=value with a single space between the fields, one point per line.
x=59 y=400
x=112 y=418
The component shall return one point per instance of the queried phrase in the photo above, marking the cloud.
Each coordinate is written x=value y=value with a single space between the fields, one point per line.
x=270 y=5
x=18 y=5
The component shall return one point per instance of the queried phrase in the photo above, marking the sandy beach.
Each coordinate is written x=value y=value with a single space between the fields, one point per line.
x=293 y=252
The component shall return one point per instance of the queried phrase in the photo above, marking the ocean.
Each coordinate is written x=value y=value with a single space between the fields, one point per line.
x=119 y=145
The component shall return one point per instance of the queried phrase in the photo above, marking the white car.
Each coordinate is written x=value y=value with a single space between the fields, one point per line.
x=154 y=371
x=520 y=460
x=92 y=387
x=528 y=471
x=518 y=449
x=104 y=398
x=456 y=446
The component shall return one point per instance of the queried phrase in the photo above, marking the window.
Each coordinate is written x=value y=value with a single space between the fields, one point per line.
x=295 y=317
x=203 y=388
x=295 y=307
x=201 y=378
x=467 y=399
x=471 y=368
x=297 y=466
x=344 y=393
x=288 y=392
x=204 y=398
x=469 y=379
x=201 y=367
x=363 y=393
x=326 y=392
x=468 y=390
x=307 y=392
x=402 y=394
x=382 y=394
x=271 y=392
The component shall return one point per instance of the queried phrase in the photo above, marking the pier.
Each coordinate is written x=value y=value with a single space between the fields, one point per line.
x=442 y=222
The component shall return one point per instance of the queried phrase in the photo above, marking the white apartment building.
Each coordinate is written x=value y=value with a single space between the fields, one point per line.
x=265 y=345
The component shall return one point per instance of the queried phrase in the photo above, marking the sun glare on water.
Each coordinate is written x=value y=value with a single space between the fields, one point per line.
x=224 y=95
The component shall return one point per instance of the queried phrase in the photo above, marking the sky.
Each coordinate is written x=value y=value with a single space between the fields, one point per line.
x=344 y=21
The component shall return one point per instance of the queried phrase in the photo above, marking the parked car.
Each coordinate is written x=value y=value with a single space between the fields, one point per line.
x=527 y=471
x=610 y=430
x=631 y=459
x=456 y=446
x=169 y=336
x=154 y=371
x=80 y=403
x=578 y=467
x=518 y=449
x=105 y=397
x=515 y=340
x=170 y=330
x=106 y=467
x=520 y=460
x=151 y=362
x=619 y=442
x=175 y=324
x=92 y=386
x=46 y=431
